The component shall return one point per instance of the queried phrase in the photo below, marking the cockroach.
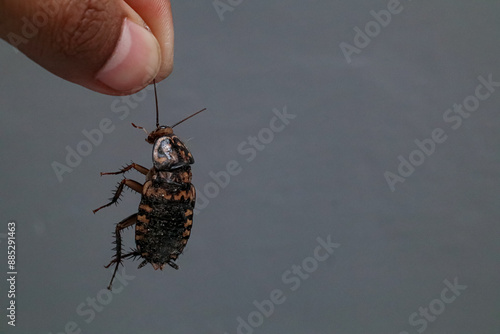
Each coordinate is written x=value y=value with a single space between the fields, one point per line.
x=165 y=216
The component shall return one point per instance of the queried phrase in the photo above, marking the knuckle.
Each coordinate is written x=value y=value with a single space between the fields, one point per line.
x=81 y=27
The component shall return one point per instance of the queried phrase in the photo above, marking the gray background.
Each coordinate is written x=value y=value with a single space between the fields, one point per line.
x=322 y=175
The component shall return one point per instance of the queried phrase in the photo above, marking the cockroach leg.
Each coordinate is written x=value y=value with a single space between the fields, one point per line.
x=134 y=185
x=137 y=167
x=127 y=222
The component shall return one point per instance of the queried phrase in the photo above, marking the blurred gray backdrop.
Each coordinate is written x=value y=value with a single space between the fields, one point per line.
x=370 y=205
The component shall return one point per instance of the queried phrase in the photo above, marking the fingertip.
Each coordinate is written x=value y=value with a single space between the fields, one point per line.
x=135 y=61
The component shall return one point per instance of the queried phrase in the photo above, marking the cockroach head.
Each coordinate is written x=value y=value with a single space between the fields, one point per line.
x=161 y=131
x=169 y=152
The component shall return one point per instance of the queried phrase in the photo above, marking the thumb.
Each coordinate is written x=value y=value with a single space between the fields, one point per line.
x=104 y=45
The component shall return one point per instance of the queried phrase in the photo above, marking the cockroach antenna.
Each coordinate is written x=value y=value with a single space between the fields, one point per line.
x=157 y=113
x=156 y=101
x=185 y=119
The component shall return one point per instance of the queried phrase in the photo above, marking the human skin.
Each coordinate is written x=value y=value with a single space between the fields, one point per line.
x=115 y=47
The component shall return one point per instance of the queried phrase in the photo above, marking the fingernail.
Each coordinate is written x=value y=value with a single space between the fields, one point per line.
x=134 y=62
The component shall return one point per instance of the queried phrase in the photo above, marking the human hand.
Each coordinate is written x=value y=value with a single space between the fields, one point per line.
x=104 y=45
